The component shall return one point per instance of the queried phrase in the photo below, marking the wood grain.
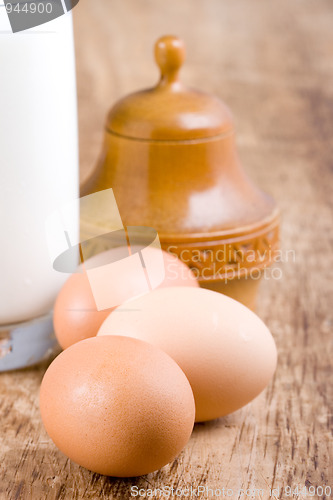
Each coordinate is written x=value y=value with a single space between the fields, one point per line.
x=272 y=63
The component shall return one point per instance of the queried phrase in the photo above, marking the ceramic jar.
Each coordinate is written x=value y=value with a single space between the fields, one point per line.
x=169 y=154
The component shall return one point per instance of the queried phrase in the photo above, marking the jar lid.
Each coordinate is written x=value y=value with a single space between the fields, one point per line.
x=170 y=111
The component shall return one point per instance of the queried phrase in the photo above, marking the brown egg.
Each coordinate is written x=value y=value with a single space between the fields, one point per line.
x=117 y=406
x=76 y=316
x=226 y=351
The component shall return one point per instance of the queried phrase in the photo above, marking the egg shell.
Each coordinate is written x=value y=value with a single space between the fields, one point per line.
x=224 y=349
x=117 y=406
x=75 y=312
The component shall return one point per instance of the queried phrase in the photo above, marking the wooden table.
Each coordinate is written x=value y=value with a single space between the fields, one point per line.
x=272 y=63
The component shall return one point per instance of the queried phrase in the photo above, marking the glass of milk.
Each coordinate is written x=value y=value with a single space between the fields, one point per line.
x=38 y=174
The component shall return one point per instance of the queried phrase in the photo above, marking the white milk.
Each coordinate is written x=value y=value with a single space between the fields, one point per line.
x=38 y=160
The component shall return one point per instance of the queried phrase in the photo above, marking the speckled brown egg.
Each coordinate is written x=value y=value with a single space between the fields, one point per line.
x=117 y=406
x=76 y=316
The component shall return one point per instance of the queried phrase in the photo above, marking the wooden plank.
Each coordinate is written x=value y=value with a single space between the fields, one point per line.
x=273 y=66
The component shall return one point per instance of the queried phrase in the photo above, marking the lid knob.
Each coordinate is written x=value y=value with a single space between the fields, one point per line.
x=169 y=55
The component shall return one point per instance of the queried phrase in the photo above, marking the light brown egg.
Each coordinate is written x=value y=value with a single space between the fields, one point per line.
x=224 y=349
x=117 y=406
x=76 y=316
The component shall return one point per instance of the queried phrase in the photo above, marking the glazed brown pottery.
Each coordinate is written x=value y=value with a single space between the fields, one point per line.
x=169 y=155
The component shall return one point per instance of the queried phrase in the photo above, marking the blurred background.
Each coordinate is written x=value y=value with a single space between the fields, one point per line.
x=271 y=63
